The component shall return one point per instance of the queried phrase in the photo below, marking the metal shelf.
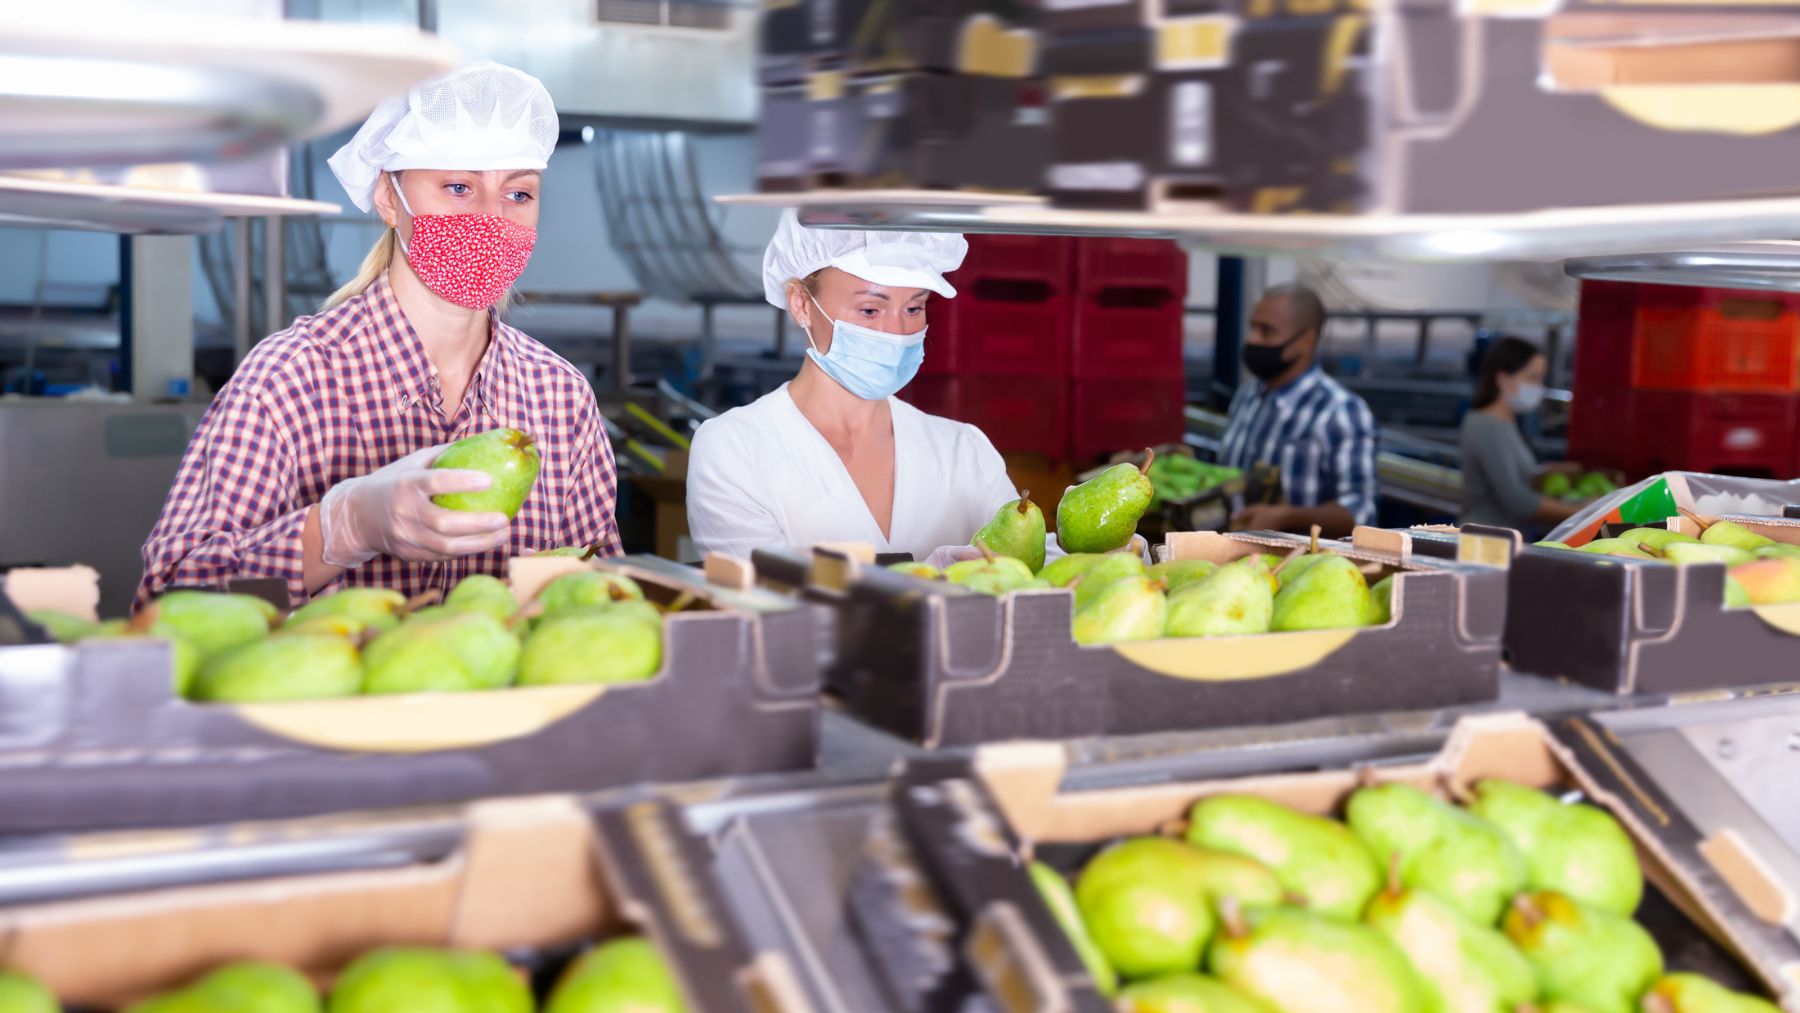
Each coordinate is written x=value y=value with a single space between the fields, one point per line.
x=146 y=90
x=1552 y=234
x=98 y=207
x=1765 y=265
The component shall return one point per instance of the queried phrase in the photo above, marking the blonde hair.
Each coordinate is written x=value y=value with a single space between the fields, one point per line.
x=380 y=255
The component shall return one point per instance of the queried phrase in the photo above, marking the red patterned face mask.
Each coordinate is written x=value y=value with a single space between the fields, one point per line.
x=470 y=260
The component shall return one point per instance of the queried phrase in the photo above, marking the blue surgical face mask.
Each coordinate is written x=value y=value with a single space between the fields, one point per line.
x=871 y=364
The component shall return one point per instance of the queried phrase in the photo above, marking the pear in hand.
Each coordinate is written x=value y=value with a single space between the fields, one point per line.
x=1017 y=530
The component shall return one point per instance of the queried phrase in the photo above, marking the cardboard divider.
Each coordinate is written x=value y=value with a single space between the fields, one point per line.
x=1567 y=754
x=110 y=745
x=943 y=666
x=527 y=877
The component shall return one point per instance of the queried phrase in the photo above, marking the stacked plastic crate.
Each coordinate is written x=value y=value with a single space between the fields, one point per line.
x=1061 y=347
x=1676 y=377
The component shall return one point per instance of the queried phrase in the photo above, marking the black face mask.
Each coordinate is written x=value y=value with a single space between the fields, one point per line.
x=1266 y=362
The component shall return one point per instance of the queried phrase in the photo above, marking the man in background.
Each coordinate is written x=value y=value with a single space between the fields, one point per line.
x=1291 y=415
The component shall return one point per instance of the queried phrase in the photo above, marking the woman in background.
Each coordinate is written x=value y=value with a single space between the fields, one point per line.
x=1499 y=470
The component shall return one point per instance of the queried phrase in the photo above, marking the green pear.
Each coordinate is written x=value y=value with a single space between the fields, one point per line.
x=1463 y=860
x=1465 y=966
x=246 y=987
x=1692 y=993
x=374 y=608
x=1101 y=514
x=20 y=994
x=1062 y=572
x=1226 y=877
x=506 y=456
x=1683 y=553
x=1179 y=573
x=1777 y=551
x=586 y=589
x=215 y=622
x=1574 y=849
x=1659 y=539
x=1017 y=530
x=1234 y=600
x=1615 y=547
x=1060 y=899
x=63 y=627
x=571 y=551
x=1582 y=954
x=591 y=646
x=291 y=666
x=1111 y=569
x=1143 y=908
x=1558 y=485
x=1330 y=594
x=919 y=570
x=1735 y=535
x=1548 y=544
x=1288 y=571
x=1126 y=610
x=452 y=651
x=423 y=980
x=992 y=576
x=1381 y=602
x=1303 y=962
x=1774 y=581
x=1736 y=595
x=1186 y=993
x=484 y=593
x=1318 y=859
x=621 y=976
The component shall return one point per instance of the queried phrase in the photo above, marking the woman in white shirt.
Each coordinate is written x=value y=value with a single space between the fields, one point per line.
x=832 y=455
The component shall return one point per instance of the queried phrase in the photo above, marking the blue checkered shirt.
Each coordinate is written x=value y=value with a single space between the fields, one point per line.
x=1320 y=435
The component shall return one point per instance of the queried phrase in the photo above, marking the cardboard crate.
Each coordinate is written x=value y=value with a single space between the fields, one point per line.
x=534 y=877
x=988 y=37
x=1640 y=626
x=1302 y=109
x=912 y=130
x=93 y=736
x=1721 y=887
x=945 y=667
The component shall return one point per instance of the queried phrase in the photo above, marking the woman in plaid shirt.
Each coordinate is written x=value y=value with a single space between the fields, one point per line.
x=313 y=464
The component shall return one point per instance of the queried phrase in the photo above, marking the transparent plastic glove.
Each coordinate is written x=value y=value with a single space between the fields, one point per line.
x=944 y=555
x=389 y=513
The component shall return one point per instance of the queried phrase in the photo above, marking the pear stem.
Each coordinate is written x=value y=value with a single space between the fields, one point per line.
x=1149 y=455
x=1696 y=518
x=1528 y=910
x=1393 y=873
x=145 y=618
x=1457 y=791
x=1315 y=538
x=1645 y=546
x=617 y=593
x=1177 y=827
x=1232 y=916
x=1295 y=554
x=1294 y=898
x=529 y=611
x=421 y=600
x=1371 y=569
x=592 y=551
x=1024 y=502
x=682 y=601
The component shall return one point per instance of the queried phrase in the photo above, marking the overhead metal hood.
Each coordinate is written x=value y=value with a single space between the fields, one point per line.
x=1771 y=265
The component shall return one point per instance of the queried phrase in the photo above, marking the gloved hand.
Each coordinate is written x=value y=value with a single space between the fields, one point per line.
x=389 y=512
x=944 y=555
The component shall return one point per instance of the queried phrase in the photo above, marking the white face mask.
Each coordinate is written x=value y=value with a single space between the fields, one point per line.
x=1526 y=398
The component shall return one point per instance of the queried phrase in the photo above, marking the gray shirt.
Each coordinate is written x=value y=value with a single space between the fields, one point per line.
x=1497 y=471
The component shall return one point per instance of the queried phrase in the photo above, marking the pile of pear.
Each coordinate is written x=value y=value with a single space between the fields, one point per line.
x=1118 y=599
x=1410 y=904
x=624 y=975
x=1760 y=570
x=589 y=626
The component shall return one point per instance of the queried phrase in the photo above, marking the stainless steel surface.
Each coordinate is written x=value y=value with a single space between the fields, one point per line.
x=79 y=211
x=62 y=111
x=1552 y=234
x=1766 y=265
x=85 y=482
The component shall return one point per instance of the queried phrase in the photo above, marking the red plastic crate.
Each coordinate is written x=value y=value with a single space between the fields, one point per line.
x=984 y=336
x=1130 y=263
x=1107 y=416
x=1603 y=335
x=1019 y=414
x=1049 y=259
x=1716 y=340
x=1743 y=434
x=1600 y=422
x=1127 y=334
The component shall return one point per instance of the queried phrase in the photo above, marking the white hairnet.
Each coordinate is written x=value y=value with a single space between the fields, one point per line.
x=482 y=116
x=895 y=259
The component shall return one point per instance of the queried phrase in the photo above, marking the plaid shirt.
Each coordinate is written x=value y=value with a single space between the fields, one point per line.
x=1320 y=435
x=341 y=394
